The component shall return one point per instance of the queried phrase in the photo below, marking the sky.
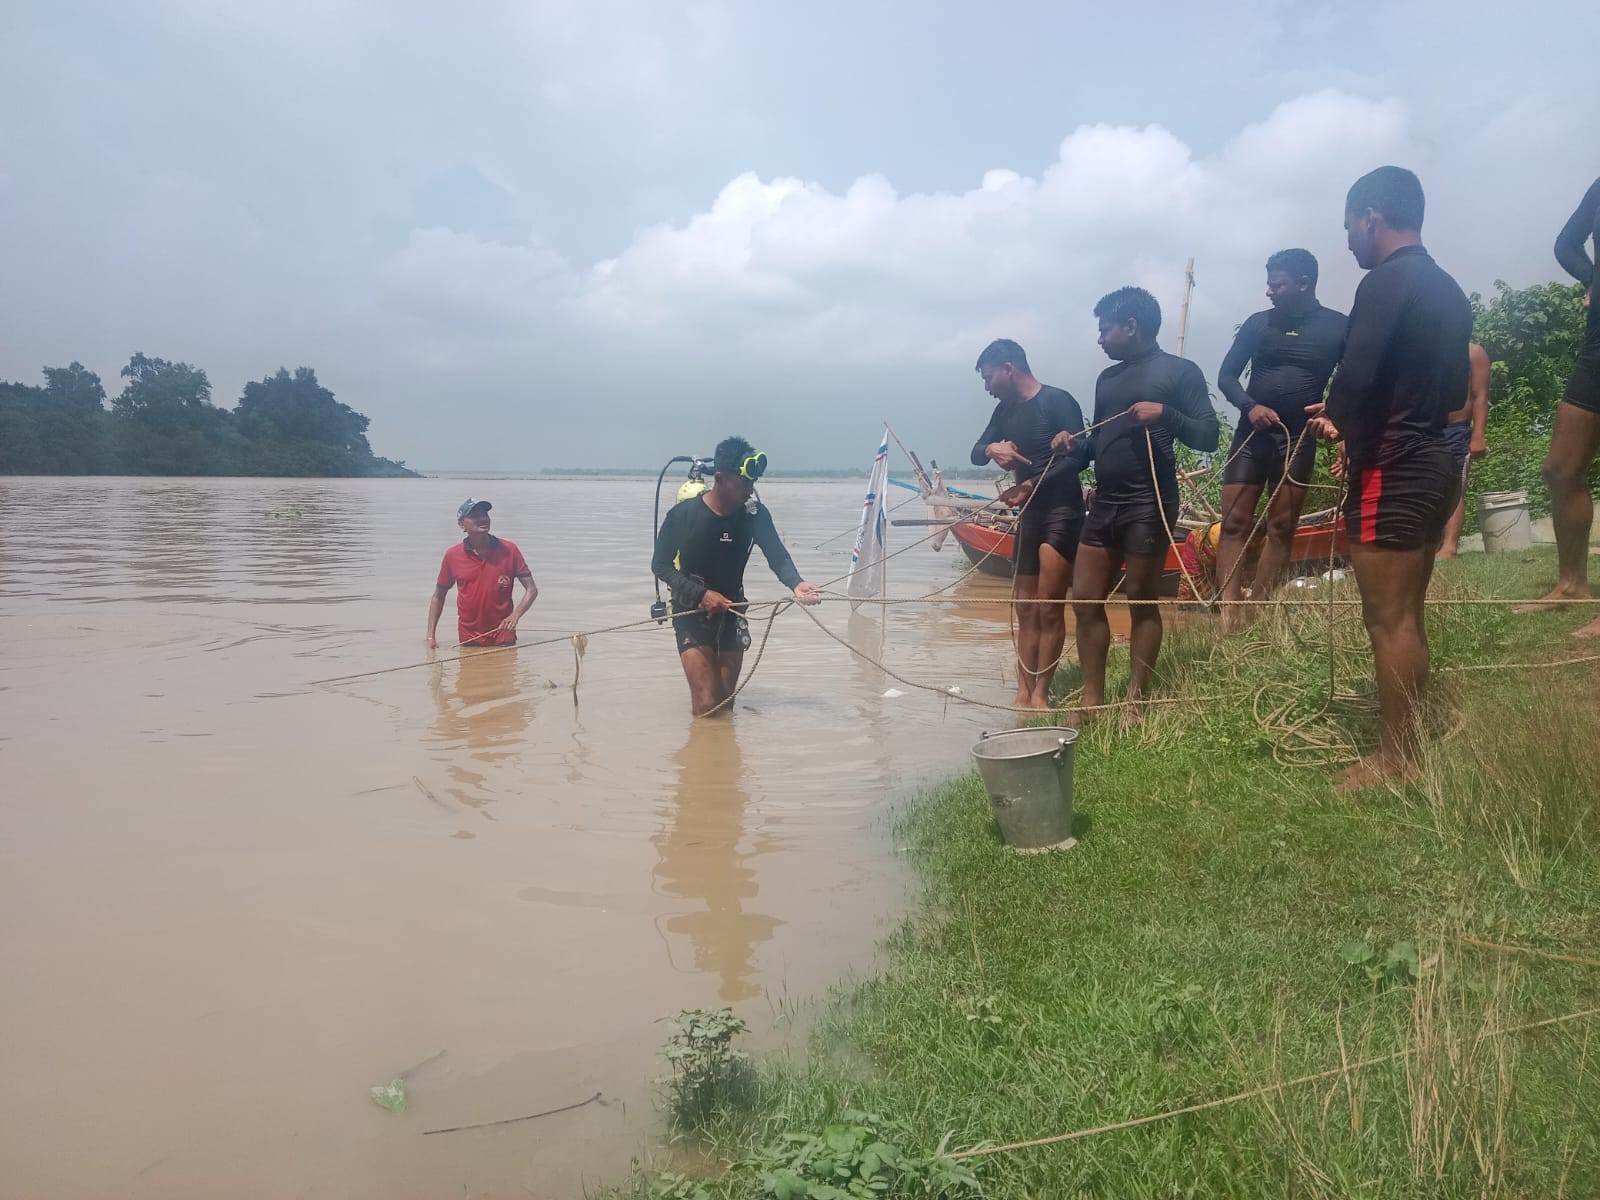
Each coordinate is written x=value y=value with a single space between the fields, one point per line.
x=602 y=233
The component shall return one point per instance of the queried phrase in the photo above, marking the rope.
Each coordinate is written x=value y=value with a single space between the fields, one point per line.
x=1253 y=1093
x=1505 y=949
x=956 y=694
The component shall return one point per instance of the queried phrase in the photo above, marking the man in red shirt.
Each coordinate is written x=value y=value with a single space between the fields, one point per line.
x=481 y=569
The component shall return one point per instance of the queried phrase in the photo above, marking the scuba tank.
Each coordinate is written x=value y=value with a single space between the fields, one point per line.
x=695 y=485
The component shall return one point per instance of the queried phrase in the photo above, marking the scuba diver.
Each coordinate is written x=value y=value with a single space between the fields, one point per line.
x=701 y=550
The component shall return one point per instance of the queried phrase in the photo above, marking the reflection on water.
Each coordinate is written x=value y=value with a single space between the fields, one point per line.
x=703 y=859
x=483 y=711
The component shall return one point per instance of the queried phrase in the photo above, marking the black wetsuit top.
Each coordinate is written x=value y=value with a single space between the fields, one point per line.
x=1574 y=259
x=1291 y=357
x=697 y=550
x=1119 y=451
x=1580 y=227
x=1030 y=424
x=1405 y=366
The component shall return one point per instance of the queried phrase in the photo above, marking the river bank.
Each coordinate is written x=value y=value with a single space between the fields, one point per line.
x=1228 y=924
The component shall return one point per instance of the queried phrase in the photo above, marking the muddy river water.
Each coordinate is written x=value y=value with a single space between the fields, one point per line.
x=232 y=900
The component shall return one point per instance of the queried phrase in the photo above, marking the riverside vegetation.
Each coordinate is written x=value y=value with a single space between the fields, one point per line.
x=1226 y=924
x=163 y=423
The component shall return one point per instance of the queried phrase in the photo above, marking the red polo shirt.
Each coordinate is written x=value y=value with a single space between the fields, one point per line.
x=483 y=588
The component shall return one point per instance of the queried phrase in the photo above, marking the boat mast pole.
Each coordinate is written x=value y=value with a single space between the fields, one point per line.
x=1183 y=316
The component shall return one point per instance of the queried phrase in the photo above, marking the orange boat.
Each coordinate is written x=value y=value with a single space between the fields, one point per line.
x=989 y=547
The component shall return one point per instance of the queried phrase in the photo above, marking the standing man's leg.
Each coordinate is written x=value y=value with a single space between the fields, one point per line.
x=1283 y=518
x=1573 y=443
x=1026 y=587
x=700 y=669
x=1238 y=523
x=1143 y=582
x=1050 y=620
x=1092 y=573
x=1394 y=585
x=728 y=664
x=1451 y=546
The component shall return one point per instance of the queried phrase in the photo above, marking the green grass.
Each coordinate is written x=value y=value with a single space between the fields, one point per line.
x=1190 y=946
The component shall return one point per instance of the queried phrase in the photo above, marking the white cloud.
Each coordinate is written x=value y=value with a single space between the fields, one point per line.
x=787 y=271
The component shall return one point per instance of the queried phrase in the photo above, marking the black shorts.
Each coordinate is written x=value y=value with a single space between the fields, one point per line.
x=1057 y=527
x=725 y=633
x=1256 y=456
x=1458 y=440
x=1404 y=505
x=1583 y=385
x=1128 y=527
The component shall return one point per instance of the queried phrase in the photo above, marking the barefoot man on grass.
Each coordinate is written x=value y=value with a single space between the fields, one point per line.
x=1404 y=369
x=1027 y=415
x=1576 y=436
x=1141 y=404
x=1291 y=349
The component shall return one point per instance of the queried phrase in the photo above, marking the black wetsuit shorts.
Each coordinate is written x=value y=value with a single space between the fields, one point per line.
x=725 y=632
x=1458 y=440
x=1057 y=526
x=1126 y=527
x=1404 y=505
x=1583 y=386
x=1256 y=456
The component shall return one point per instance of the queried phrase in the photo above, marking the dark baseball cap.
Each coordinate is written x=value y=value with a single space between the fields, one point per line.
x=469 y=504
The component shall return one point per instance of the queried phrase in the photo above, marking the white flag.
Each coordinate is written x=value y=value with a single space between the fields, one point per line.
x=866 y=560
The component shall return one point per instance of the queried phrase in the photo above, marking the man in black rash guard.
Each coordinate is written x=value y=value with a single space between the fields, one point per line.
x=701 y=550
x=1149 y=398
x=1027 y=415
x=1291 y=349
x=1405 y=368
x=1576 y=437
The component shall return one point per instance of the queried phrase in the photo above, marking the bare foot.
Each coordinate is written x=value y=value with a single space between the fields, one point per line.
x=1559 y=595
x=1130 y=716
x=1591 y=630
x=1374 y=772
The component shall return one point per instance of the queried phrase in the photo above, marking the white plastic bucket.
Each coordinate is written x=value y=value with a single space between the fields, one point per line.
x=1503 y=518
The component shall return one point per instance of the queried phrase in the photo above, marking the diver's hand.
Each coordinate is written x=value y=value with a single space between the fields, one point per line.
x=1006 y=456
x=807 y=593
x=715 y=602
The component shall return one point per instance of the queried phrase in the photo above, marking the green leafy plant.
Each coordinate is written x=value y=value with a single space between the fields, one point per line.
x=707 y=1072
x=1397 y=967
x=858 y=1157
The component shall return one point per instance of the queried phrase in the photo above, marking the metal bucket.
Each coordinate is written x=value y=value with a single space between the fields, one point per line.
x=1504 y=519
x=1028 y=774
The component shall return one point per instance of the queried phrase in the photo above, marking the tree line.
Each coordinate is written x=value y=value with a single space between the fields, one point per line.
x=163 y=422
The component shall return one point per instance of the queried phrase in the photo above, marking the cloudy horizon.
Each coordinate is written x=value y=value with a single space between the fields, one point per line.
x=565 y=234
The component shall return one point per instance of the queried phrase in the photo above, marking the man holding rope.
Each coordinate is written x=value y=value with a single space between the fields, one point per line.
x=481 y=569
x=1141 y=404
x=700 y=553
x=1405 y=367
x=1291 y=350
x=1027 y=415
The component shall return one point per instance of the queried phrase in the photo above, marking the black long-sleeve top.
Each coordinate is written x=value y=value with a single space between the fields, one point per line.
x=1290 y=355
x=1119 y=451
x=1582 y=225
x=697 y=550
x=1405 y=366
x=1031 y=424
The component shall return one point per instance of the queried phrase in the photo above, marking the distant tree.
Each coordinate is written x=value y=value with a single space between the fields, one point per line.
x=163 y=395
x=75 y=387
x=296 y=408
